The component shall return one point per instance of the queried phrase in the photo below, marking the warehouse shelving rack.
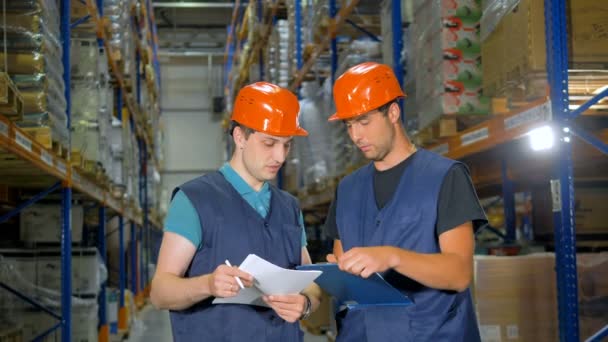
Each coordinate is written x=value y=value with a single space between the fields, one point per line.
x=553 y=110
x=29 y=164
x=487 y=136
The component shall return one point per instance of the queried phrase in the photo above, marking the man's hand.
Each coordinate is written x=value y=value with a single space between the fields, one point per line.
x=223 y=284
x=365 y=261
x=331 y=258
x=288 y=307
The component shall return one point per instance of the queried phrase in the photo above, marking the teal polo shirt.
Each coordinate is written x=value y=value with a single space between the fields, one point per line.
x=182 y=218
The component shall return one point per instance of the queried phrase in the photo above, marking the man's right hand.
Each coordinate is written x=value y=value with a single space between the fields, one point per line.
x=223 y=284
x=331 y=258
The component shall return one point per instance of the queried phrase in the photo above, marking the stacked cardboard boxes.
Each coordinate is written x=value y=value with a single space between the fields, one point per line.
x=516 y=296
x=514 y=47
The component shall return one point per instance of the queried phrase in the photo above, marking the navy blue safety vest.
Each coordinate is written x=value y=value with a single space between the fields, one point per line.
x=407 y=221
x=232 y=229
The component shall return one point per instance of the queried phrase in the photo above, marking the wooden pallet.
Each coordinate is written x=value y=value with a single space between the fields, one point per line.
x=11 y=102
x=520 y=92
x=445 y=127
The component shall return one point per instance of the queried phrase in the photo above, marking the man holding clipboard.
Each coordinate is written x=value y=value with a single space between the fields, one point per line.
x=409 y=215
x=222 y=217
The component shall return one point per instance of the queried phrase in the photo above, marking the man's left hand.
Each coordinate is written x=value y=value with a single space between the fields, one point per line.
x=288 y=307
x=365 y=261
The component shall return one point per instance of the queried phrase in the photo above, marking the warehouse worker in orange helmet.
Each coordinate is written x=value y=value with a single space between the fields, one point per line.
x=229 y=214
x=409 y=214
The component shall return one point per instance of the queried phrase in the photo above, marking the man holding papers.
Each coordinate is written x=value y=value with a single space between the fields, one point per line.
x=222 y=217
x=409 y=215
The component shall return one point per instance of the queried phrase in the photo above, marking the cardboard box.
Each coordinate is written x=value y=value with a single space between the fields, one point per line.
x=516 y=47
x=592 y=269
x=515 y=298
x=42 y=223
x=591 y=216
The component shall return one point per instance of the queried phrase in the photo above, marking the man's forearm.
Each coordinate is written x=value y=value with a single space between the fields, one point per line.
x=446 y=271
x=174 y=293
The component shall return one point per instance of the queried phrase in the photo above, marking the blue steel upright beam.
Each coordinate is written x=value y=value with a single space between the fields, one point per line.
x=122 y=273
x=141 y=230
x=66 y=265
x=562 y=186
x=333 y=44
x=66 y=203
x=146 y=225
x=101 y=246
x=133 y=256
x=99 y=7
x=260 y=5
x=298 y=28
x=137 y=78
x=508 y=197
x=397 y=48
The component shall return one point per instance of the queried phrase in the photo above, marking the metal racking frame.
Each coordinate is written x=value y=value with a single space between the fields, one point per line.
x=555 y=112
x=16 y=142
x=498 y=130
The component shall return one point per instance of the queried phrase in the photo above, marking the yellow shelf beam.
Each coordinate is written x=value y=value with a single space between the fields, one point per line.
x=19 y=144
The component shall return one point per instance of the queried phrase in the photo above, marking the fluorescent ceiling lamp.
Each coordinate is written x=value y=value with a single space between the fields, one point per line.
x=541 y=138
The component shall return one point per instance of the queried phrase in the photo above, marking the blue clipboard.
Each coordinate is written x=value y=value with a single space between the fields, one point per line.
x=354 y=291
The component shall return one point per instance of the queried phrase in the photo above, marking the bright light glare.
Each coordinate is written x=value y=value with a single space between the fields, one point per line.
x=541 y=138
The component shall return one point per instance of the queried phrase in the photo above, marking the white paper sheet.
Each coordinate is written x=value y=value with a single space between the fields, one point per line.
x=269 y=279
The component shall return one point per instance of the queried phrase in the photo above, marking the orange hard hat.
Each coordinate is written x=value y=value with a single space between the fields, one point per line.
x=268 y=108
x=363 y=88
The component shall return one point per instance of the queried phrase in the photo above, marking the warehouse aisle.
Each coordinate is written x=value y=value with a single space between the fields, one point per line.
x=154 y=325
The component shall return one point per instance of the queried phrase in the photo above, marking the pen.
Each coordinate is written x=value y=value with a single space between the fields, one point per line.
x=237 y=278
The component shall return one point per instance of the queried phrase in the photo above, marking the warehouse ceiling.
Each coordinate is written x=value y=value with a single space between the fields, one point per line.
x=193 y=26
x=199 y=27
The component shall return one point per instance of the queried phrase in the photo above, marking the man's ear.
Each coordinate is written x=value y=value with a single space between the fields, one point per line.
x=238 y=135
x=394 y=112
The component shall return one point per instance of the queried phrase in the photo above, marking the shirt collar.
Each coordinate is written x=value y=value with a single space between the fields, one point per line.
x=238 y=182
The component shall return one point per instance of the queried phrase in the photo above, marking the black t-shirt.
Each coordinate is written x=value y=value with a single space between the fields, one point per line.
x=458 y=202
